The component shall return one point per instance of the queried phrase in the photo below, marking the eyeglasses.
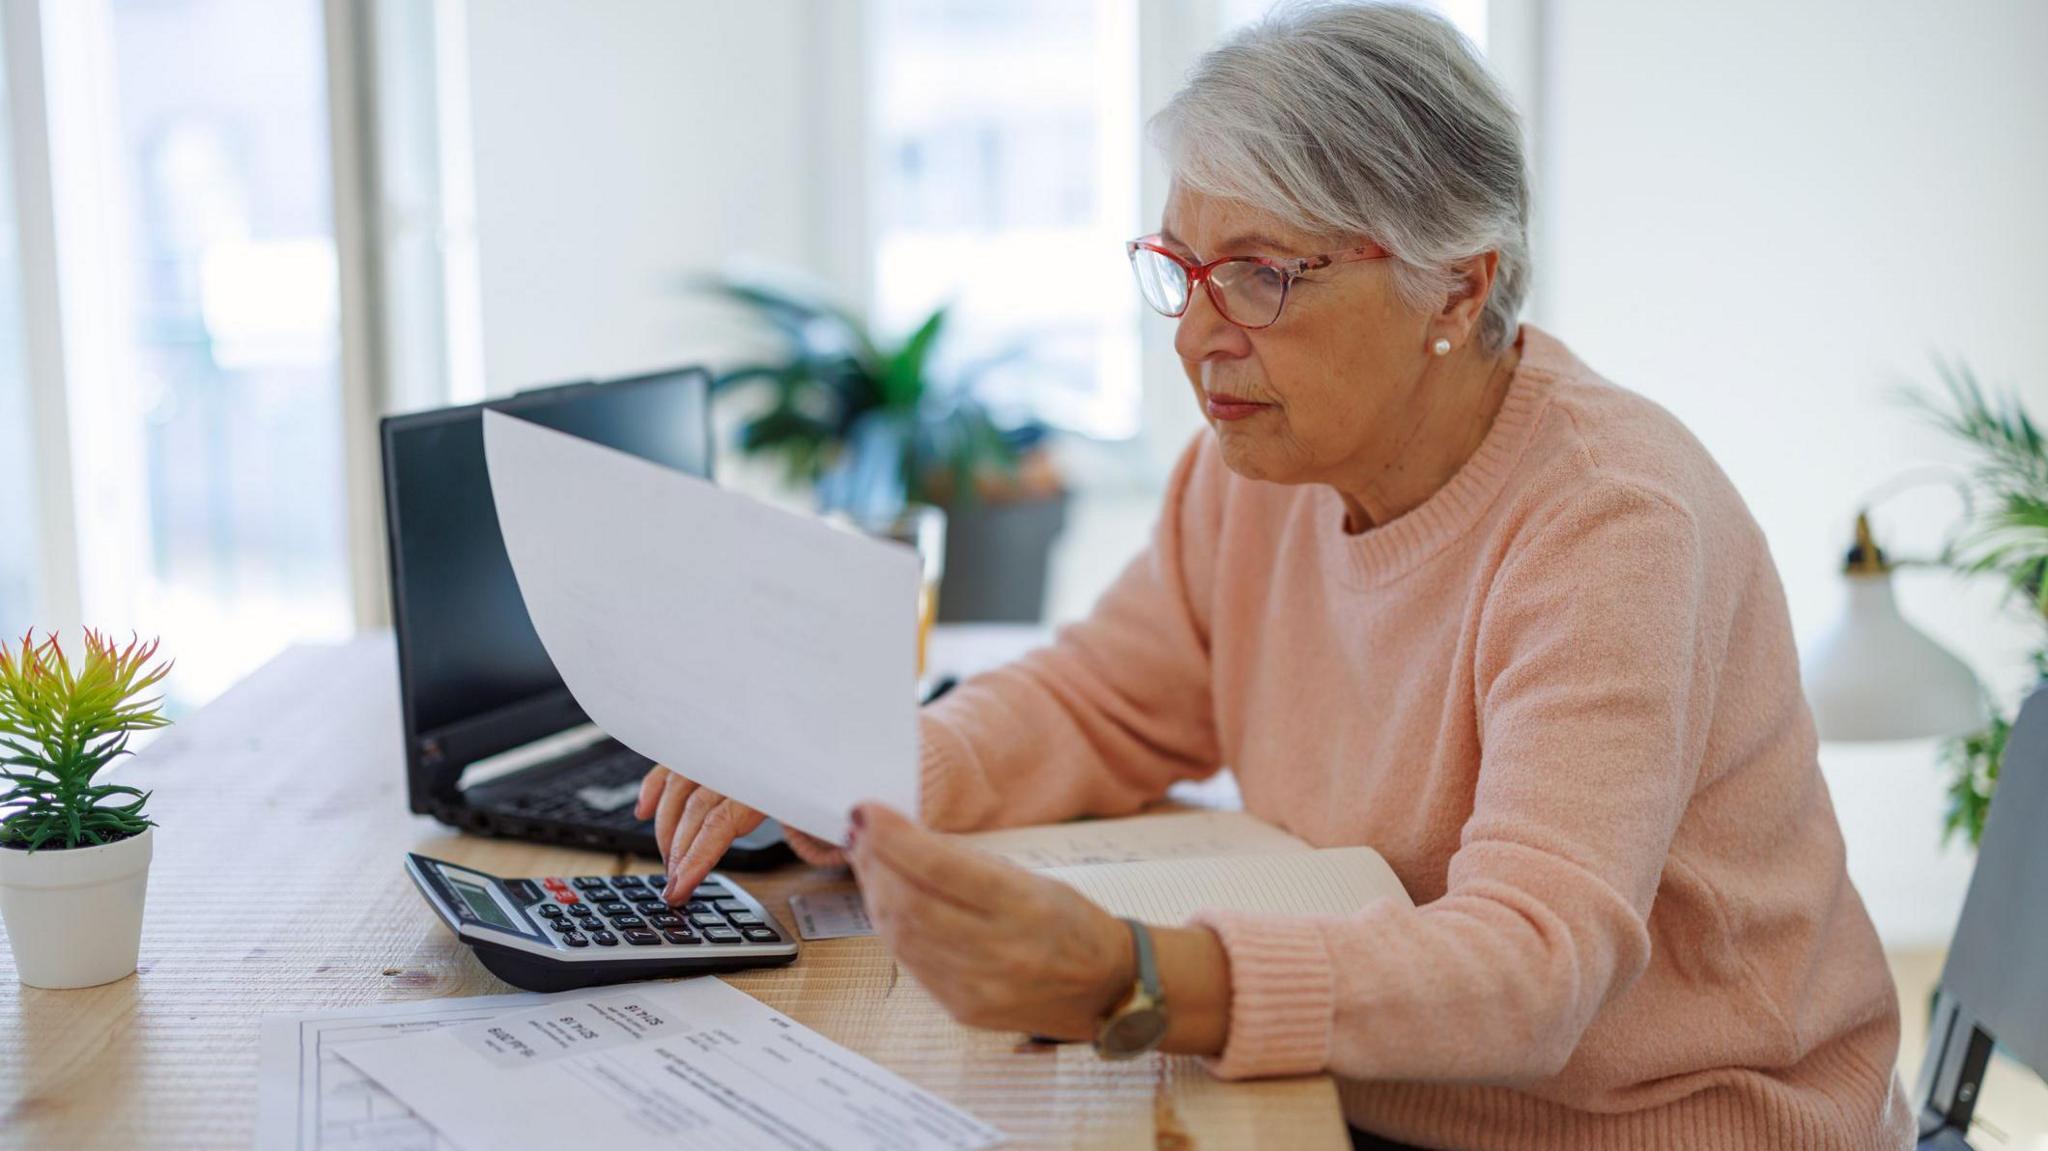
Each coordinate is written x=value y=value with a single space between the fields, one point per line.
x=1249 y=291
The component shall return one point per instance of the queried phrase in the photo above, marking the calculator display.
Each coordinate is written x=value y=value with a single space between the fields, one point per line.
x=480 y=901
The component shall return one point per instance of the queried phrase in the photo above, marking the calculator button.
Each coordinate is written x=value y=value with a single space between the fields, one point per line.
x=700 y=905
x=623 y=881
x=551 y=910
x=680 y=936
x=744 y=919
x=575 y=940
x=589 y=882
x=665 y=920
x=626 y=922
x=651 y=906
x=710 y=891
x=729 y=905
x=567 y=898
x=659 y=879
x=642 y=938
x=562 y=925
x=614 y=907
x=707 y=919
x=583 y=911
x=721 y=935
x=760 y=934
x=604 y=938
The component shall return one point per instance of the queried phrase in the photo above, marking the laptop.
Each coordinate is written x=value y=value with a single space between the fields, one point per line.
x=494 y=742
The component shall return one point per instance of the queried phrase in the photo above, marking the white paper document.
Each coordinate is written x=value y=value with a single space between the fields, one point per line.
x=766 y=655
x=659 y=1065
x=310 y=1099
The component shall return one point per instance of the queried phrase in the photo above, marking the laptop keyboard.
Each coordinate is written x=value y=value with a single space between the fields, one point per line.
x=599 y=790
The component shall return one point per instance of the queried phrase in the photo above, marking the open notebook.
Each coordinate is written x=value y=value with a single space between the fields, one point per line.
x=1163 y=868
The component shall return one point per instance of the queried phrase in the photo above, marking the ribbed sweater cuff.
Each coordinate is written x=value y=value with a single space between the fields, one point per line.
x=1281 y=1001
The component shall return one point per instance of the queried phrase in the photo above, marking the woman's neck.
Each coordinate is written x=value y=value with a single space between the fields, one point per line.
x=1461 y=403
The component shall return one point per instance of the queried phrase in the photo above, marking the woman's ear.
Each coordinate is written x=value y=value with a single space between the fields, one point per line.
x=1472 y=283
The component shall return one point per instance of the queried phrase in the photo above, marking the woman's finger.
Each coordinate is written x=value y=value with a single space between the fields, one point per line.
x=725 y=822
x=915 y=924
x=688 y=826
x=651 y=786
x=813 y=850
x=670 y=809
x=942 y=867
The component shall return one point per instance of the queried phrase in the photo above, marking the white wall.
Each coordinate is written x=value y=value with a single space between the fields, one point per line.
x=1765 y=216
x=621 y=145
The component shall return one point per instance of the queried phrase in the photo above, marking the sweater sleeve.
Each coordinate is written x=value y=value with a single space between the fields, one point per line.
x=1115 y=710
x=1593 y=679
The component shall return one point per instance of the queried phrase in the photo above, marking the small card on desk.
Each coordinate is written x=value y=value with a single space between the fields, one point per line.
x=830 y=915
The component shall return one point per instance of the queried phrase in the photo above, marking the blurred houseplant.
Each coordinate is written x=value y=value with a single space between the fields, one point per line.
x=2006 y=537
x=74 y=851
x=874 y=425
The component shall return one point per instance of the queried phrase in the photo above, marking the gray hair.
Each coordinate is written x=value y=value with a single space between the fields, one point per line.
x=1365 y=119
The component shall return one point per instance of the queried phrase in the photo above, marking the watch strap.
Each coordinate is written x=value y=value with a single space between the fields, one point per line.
x=1148 y=963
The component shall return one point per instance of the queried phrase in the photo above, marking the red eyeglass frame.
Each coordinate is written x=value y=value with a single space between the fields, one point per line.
x=1198 y=274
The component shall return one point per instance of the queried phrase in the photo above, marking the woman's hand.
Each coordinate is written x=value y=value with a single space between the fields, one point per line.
x=693 y=825
x=997 y=946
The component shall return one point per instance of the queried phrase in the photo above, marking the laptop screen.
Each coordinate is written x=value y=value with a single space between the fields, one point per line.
x=474 y=677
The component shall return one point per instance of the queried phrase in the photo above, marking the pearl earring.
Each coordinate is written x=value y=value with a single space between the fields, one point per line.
x=1442 y=347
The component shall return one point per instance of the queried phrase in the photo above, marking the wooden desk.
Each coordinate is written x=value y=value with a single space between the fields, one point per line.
x=277 y=888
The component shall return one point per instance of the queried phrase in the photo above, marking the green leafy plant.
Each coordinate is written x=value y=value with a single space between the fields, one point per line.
x=2007 y=537
x=60 y=727
x=867 y=419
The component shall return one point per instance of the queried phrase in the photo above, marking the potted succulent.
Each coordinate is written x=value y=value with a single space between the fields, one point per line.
x=74 y=851
x=875 y=426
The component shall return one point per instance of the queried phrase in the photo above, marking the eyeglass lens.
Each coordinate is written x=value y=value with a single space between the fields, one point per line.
x=1248 y=293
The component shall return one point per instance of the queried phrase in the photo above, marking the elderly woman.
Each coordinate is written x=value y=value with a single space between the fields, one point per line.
x=1429 y=584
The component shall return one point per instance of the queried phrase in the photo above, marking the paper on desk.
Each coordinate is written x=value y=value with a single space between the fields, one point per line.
x=695 y=1063
x=311 y=1099
x=766 y=655
x=1136 y=838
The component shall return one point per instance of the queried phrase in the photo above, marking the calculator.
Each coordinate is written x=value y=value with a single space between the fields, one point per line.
x=553 y=934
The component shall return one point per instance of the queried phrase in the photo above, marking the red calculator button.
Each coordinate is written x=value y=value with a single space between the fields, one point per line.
x=566 y=897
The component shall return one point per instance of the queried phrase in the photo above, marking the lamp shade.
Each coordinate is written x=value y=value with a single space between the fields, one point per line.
x=1873 y=676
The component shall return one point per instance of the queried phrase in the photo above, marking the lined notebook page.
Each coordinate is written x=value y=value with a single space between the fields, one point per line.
x=1335 y=880
x=1167 y=835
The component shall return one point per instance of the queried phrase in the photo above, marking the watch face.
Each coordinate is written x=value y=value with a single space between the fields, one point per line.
x=1133 y=1034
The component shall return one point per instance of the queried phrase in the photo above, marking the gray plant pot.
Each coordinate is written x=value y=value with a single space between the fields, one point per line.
x=997 y=554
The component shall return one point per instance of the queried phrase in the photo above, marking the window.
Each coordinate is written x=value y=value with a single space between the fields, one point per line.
x=1005 y=181
x=220 y=388
x=19 y=517
x=1468 y=15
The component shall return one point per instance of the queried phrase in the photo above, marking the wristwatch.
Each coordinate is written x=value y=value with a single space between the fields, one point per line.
x=1139 y=1023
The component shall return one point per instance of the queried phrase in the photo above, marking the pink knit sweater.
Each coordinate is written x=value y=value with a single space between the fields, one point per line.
x=1561 y=699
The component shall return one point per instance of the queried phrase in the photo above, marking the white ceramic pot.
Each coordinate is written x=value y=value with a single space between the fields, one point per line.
x=74 y=917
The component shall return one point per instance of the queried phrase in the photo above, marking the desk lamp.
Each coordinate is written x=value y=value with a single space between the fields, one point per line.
x=1873 y=676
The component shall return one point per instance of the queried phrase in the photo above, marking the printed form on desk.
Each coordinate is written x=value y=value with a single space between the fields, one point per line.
x=309 y=1098
x=695 y=1063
